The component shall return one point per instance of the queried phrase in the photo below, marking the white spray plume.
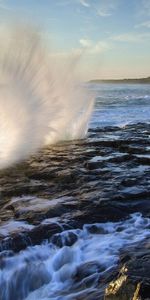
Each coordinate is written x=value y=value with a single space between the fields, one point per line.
x=40 y=102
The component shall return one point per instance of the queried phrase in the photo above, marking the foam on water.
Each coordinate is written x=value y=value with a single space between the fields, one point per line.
x=41 y=102
x=13 y=226
x=47 y=272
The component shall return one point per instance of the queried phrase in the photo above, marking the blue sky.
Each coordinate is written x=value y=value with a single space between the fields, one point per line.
x=114 y=34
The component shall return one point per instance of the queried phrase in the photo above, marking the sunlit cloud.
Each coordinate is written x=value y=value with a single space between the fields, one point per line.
x=94 y=48
x=85 y=43
x=86 y=47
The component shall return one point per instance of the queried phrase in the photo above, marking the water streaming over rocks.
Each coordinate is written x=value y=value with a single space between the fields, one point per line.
x=72 y=264
x=47 y=250
x=75 y=217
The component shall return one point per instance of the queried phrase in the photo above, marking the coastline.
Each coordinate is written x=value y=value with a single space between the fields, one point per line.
x=122 y=81
x=96 y=180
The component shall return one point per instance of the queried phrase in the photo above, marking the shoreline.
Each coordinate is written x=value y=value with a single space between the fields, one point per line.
x=65 y=186
x=121 y=81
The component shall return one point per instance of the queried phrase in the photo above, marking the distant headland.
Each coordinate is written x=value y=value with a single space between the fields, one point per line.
x=128 y=81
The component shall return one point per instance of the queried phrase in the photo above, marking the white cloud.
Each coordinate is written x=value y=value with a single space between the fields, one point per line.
x=84 y=3
x=94 y=48
x=106 y=8
x=103 y=8
x=103 y=13
x=85 y=43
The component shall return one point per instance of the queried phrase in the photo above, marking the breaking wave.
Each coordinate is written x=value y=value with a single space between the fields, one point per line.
x=41 y=102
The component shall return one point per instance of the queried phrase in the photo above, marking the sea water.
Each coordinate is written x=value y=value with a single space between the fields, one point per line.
x=120 y=104
x=46 y=271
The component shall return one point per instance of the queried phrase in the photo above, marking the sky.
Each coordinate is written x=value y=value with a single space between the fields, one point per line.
x=113 y=36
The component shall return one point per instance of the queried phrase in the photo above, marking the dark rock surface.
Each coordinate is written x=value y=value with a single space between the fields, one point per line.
x=133 y=279
x=103 y=178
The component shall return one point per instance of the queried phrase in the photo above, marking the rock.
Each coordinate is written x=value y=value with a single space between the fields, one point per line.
x=20 y=241
x=133 y=281
x=87 y=269
x=102 y=178
x=94 y=229
x=64 y=239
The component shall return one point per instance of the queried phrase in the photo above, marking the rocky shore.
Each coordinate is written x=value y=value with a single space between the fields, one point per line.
x=105 y=177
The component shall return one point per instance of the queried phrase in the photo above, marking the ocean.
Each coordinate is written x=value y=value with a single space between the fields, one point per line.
x=69 y=211
x=58 y=188
x=120 y=104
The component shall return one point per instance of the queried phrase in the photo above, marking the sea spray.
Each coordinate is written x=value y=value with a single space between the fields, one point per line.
x=41 y=102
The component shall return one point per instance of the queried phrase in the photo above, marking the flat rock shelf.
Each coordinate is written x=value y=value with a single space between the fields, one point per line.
x=104 y=178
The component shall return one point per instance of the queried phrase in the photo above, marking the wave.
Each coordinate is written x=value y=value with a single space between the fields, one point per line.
x=41 y=101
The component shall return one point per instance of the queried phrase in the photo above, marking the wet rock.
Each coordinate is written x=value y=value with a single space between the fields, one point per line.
x=94 y=229
x=31 y=207
x=133 y=280
x=102 y=178
x=121 y=289
x=93 y=165
x=64 y=239
x=87 y=269
x=20 y=241
x=43 y=232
